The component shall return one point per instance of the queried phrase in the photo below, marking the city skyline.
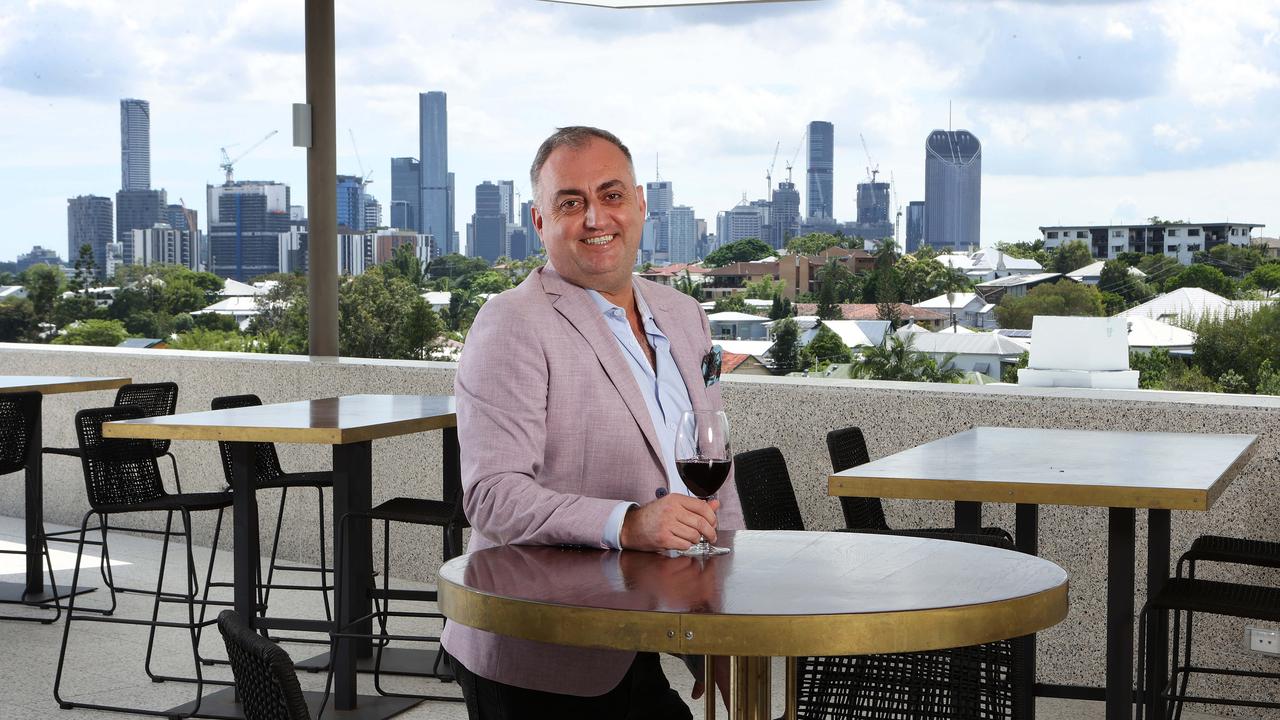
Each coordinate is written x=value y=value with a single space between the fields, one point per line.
x=1082 y=119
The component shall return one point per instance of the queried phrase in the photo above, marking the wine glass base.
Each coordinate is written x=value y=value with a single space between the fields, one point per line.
x=703 y=550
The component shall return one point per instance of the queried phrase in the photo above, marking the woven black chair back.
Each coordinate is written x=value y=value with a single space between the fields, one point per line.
x=116 y=471
x=848 y=448
x=764 y=489
x=267 y=462
x=265 y=678
x=155 y=399
x=19 y=413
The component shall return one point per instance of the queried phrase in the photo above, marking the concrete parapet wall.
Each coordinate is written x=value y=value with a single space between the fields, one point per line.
x=791 y=413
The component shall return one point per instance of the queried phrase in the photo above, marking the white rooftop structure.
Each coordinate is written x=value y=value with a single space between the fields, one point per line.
x=1145 y=333
x=12 y=291
x=755 y=348
x=970 y=344
x=235 y=288
x=241 y=307
x=1189 y=305
x=1090 y=274
x=735 y=317
x=437 y=299
x=940 y=303
x=1086 y=352
x=855 y=333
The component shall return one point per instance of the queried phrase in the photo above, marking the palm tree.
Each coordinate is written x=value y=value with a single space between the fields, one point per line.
x=897 y=359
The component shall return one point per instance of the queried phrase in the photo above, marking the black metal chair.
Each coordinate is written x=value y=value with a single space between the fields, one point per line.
x=19 y=419
x=270 y=475
x=265 y=679
x=121 y=476
x=969 y=682
x=154 y=399
x=445 y=514
x=1187 y=595
x=848 y=448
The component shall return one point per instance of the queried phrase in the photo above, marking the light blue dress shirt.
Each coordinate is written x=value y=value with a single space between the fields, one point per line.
x=664 y=393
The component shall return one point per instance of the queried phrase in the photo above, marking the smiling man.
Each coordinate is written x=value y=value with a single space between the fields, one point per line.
x=569 y=392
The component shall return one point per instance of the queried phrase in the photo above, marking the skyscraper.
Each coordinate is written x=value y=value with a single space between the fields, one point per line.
x=433 y=151
x=350 y=202
x=818 y=193
x=507 y=189
x=406 y=193
x=246 y=219
x=137 y=210
x=952 y=189
x=372 y=213
x=742 y=222
x=683 y=232
x=873 y=203
x=135 y=144
x=785 y=214
x=915 y=225
x=490 y=223
x=658 y=198
x=89 y=223
x=530 y=234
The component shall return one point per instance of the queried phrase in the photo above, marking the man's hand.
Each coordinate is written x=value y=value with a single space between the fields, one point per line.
x=673 y=522
x=722 y=681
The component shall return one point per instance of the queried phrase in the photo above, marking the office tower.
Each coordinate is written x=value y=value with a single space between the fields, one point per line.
x=742 y=222
x=89 y=223
x=453 y=233
x=433 y=152
x=873 y=203
x=952 y=189
x=489 y=223
x=39 y=256
x=137 y=210
x=819 y=192
x=785 y=215
x=135 y=144
x=658 y=198
x=530 y=233
x=406 y=198
x=683 y=234
x=246 y=219
x=372 y=213
x=162 y=243
x=507 y=189
x=517 y=242
x=915 y=225
x=350 y=202
x=293 y=250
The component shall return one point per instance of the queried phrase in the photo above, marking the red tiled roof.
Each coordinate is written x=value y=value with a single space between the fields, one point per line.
x=867 y=311
x=676 y=269
x=730 y=361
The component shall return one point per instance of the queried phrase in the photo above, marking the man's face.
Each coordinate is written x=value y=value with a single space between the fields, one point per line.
x=590 y=215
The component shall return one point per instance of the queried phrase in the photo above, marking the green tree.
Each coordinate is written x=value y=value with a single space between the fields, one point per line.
x=1158 y=269
x=382 y=316
x=1237 y=342
x=765 y=288
x=281 y=323
x=1071 y=256
x=781 y=308
x=825 y=348
x=1188 y=378
x=1009 y=373
x=1116 y=278
x=70 y=308
x=43 y=284
x=740 y=251
x=105 y=333
x=1268 y=379
x=685 y=284
x=182 y=294
x=897 y=359
x=1065 y=297
x=489 y=282
x=454 y=268
x=1153 y=367
x=18 y=321
x=812 y=244
x=1265 y=277
x=1202 y=276
x=461 y=311
x=828 y=300
x=1233 y=260
x=220 y=340
x=1033 y=250
x=733 y=302
x=86 y=270
x=212 y=321
x=785 y=350
x=405 y=263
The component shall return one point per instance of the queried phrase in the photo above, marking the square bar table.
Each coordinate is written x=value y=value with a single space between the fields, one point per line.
x=349 y=424
x=33 y=591
x=1121 y=471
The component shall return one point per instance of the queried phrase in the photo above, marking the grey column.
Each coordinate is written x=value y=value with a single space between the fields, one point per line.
x=322 y=172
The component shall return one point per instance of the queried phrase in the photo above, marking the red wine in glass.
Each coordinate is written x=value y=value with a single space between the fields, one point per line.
x=703 y=459
x=703 y=476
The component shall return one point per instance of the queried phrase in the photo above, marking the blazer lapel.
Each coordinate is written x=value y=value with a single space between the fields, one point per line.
x=686 y=349
x=573 y=303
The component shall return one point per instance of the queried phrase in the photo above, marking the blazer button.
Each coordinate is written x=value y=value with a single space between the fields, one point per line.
x=660 y=492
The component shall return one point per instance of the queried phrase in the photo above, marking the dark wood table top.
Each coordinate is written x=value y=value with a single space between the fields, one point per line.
x=1156 y=470
x=329 y=421
x=777 y=593
x=55 y=384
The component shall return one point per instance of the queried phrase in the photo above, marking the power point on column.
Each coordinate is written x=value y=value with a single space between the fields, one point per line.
x=1263 y=640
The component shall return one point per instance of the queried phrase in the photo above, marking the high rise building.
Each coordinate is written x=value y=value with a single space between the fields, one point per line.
x=162 y=243
x=952 y=189
x=39 y=256
x=406 y=193
x=135 y=144
x=507 y=190
x=489 y=223
x=785 y=214
x=530 y=233
x=350 y=202
x=517 y=242
x=683 y=234
x=819 y=192
x=452 y=240
x=372 y=213
x=873 y=203
x=658 y=198
x=137 y=210
x=89 y=223
x=915 y=225
x=742 y=222
x=433 y=151
x=246 y=219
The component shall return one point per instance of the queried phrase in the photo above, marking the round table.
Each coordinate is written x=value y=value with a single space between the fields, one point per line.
x=777 y=594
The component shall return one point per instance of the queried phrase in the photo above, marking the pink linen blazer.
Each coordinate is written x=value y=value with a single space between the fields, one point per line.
x=554 y=432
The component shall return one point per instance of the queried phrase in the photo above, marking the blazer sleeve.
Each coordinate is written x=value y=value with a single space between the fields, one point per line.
x=501 y=390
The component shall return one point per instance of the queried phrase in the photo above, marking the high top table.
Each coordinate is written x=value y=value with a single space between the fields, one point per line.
x=349 y=424
x=1121 y=471
x=776 y=594
x=33 y=590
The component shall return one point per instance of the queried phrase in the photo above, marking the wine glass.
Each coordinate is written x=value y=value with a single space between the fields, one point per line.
x=703 y=460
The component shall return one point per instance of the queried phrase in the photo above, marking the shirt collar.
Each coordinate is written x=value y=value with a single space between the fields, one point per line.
x=607 y=308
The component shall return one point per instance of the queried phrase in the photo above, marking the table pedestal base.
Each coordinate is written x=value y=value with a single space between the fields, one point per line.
x=749 y=686
x=11 y=592
x=222 y=705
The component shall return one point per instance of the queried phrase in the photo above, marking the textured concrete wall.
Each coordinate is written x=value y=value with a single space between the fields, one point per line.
x=792 y=414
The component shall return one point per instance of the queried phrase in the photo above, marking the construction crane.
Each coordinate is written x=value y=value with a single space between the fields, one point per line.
x=768 y=174
x=873 y=169
x=364 y=177
x=190 y=217
x=228 y=163
x=796 y=154
x=897 y=218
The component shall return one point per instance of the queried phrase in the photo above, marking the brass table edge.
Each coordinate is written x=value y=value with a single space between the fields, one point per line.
x=755 y=635
x=248 y=433
x=86 y=385
x=1117 y=496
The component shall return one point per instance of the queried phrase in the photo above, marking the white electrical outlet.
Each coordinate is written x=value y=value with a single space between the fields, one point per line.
x=1263 y=640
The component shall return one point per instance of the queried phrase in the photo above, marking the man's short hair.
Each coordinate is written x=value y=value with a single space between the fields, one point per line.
x=574 y=136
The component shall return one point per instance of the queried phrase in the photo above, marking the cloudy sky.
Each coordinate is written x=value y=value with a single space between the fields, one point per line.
x=1089 y=112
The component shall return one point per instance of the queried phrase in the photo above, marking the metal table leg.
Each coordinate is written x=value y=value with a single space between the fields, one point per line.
x=1158 y=523
x=968 y=517
x=749 y=688
x=1027 y=539
x=352 y=492
x=1120 y=560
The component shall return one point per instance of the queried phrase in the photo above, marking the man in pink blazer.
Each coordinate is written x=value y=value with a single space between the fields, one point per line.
x=557 y=391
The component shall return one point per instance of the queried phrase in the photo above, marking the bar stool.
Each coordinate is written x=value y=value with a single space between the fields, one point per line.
x=271 y=475
x=446 y=514
x=19 y=418
x=121 y=476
